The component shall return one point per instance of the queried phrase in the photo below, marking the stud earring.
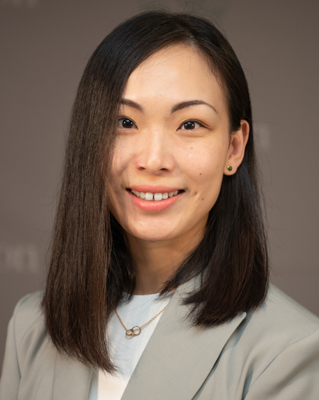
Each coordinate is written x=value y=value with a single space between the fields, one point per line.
x=229 y=167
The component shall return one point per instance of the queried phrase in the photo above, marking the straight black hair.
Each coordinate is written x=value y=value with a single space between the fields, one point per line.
x=90 y=263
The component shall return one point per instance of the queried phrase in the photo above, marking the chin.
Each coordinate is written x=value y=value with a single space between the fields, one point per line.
x=151 y=235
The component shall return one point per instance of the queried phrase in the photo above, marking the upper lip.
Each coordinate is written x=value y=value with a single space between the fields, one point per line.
x=153 y=189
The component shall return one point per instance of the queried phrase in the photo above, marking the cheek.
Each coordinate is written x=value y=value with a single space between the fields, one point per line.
x=122 y=157
x=115 y=185
x=208 y=187
x=205 y=167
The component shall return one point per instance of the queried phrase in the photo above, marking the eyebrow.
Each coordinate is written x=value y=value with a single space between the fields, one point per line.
x=177 y=107
x=131 y=103
x=185 y=104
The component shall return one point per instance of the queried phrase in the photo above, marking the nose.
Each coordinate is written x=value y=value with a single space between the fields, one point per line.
x=155 y=153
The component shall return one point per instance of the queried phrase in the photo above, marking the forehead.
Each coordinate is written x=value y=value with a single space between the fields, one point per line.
x=176 y=72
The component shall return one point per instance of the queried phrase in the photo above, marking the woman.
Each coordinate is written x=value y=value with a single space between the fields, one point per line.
x=160 y=196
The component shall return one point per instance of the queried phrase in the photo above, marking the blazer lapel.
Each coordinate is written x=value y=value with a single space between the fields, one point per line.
x=178 y=357
x=72 y=379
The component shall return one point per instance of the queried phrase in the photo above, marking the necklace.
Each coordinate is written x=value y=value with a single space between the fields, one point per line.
x=136 y=330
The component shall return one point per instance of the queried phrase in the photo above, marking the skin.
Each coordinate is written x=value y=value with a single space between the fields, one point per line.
x=155 y=148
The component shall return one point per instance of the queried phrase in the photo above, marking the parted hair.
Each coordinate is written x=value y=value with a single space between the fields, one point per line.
x=90 y=264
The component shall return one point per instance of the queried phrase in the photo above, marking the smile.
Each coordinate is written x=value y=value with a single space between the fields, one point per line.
x=155 y=196
x=154 y=199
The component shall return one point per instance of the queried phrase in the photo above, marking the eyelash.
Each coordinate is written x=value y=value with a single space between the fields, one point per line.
x=180 y=127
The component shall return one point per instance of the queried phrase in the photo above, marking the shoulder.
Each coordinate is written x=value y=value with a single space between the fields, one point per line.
x=27 y=330
x=281 y=337
x=280 y=349
x=27 y=314
x=274 y=351
x=278 y=323
x=280 y=313
x=26 y=338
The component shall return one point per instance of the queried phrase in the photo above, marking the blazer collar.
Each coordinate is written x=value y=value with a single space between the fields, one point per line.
x=178 y=357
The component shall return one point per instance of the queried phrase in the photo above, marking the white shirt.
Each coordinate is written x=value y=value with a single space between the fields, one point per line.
x=125 y=352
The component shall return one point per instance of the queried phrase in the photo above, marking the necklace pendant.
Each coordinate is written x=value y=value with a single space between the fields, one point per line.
x=135 y=331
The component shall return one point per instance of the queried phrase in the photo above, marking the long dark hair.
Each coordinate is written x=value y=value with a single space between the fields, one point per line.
x=90 y=263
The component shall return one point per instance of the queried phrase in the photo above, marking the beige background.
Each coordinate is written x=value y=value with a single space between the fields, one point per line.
x=45 y=45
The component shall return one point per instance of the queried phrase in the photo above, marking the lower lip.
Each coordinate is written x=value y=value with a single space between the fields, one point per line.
x=153 y=205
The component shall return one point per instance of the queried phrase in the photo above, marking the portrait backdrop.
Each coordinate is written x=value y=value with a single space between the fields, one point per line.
x=45 y=45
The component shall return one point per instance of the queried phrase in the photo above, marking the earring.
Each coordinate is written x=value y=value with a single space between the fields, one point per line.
x=229 y=167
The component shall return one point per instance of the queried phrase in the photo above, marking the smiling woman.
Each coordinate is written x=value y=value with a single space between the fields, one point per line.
x=181 y=151
x=158 y=281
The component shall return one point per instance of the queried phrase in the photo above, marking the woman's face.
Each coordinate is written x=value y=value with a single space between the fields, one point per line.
x=172 y=149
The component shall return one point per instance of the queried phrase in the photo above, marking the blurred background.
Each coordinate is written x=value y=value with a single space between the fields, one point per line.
x=44 y=47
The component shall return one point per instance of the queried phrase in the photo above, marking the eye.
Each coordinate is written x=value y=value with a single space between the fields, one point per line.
x=126 y=123
x=190 y=125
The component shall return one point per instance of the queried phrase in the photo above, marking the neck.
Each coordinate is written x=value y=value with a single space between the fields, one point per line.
x=156 y=262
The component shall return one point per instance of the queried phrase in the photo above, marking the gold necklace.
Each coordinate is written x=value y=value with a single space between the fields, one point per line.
x=136 y=330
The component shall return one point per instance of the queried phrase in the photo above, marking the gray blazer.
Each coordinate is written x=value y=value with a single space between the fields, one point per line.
x=271 y=353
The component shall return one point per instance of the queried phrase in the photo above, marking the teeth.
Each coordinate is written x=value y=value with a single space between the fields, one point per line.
x=156 y=196
x=148 y=196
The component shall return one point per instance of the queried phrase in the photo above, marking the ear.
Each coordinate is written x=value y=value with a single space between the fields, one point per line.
x=236 y=151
